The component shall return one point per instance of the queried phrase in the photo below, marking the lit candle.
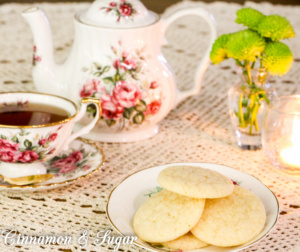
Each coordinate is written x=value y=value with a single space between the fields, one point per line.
x=291 y=155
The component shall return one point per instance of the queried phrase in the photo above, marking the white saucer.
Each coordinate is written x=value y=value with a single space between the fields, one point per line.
x=127 y=197
x=88 y=160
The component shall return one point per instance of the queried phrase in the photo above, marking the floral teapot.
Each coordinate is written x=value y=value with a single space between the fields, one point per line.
x=116 y=58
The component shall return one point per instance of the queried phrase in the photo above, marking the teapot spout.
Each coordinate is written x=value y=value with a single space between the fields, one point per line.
x=44 y=66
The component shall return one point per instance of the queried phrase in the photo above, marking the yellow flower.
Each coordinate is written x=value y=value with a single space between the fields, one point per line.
x=277 y=58
x=275 y=27
x=245 y=45
x=218 y=52
x=249 y=17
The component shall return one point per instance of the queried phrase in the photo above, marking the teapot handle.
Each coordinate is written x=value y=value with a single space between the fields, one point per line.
x=204 y=63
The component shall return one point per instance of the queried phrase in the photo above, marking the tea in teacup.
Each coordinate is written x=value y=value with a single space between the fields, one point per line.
x=35 y=127
x=28 y=114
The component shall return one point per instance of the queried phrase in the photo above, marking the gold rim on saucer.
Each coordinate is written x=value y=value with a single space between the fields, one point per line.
x=49 y=186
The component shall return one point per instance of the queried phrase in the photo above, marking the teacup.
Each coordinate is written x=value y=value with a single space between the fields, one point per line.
x=26 y=143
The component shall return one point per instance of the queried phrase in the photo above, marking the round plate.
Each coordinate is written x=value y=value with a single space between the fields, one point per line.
x=79 y=161
x=127 y=197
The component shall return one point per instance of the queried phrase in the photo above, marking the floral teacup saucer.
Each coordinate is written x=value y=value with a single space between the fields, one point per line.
x=79 y=161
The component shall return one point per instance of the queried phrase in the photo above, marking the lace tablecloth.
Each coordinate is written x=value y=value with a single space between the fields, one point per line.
x=198 y=130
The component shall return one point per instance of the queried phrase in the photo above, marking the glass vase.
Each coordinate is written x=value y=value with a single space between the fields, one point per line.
x=281 y=134
x=249 y=100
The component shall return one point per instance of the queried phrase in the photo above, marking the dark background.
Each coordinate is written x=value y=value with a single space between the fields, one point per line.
x=160 y=5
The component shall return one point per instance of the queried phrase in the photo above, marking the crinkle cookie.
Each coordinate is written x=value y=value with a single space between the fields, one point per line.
x=185 y=242
x=231 y=221
x=166 y=216
x=196 y=182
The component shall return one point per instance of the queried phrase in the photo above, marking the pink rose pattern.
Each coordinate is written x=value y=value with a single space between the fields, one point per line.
x=153 y=108
x=121 y=9
x=122 y=91
x=67 y=164
x=110 y=109
x=35 y=58
x=90 y=87
x=18 y=149
x=126 y=94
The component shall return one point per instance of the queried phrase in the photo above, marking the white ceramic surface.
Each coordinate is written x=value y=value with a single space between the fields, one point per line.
x=80 y=160
x=23 y=148
x=119 y=13
x=122 y=66
x=126 y=198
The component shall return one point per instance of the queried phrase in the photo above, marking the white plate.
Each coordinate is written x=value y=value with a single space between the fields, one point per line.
x=89 y=160
x=127 y=197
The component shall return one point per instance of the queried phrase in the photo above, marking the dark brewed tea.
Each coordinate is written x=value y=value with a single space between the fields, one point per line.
x=27 y=114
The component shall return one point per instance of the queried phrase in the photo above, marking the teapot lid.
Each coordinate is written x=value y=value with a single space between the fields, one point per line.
x=118 y=14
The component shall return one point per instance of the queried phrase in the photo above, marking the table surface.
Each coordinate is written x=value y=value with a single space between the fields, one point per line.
x=197 y=130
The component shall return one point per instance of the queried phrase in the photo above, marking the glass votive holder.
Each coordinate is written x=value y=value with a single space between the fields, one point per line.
x=281 y=134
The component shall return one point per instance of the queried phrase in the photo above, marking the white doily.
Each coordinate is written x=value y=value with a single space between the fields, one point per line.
x=198 y=130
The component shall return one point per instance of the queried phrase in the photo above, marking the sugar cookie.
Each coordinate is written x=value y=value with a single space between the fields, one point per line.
x=185 y=242
x=166 y=216
x=231 y=221
x=196 y=182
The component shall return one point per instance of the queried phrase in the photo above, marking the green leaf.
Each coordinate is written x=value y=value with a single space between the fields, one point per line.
x=264 y=97
x=97 y=66
x=55 y=158
x=135 y=76
x=138 y=118
x=244 y=102
x=22 y=133
x=35 y=148
x=128 y=112
x=141 y=106
x=91 y=109
x=159 y=189
x=123 y=77
x=108 y=80
x=110 y=122
x=3 y=137
x=247 y=115
x=97 y=74
x=117 y=77
x=27 y=143
x=42 y=154
x=15 y=139
x=106 y=69
x=83 y=162
x=155 y=191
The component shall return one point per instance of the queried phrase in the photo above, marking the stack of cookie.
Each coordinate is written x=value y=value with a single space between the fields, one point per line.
x=199 y=207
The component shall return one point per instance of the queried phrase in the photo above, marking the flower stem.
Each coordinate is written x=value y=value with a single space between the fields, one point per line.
x=249 y=73
x=254 y=117
x=241 y=110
